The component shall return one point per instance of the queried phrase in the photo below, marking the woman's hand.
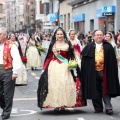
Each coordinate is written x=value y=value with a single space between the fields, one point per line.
x=42 y=72
x=78 y=54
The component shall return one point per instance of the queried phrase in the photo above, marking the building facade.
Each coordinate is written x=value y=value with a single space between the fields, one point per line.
x=50 y=21
x=2 y=13
x=19 y=16
x=10 y=7
x=39 y=15
x=65 y=16
x=14 y=15
x=29 y=16
x=89 y=15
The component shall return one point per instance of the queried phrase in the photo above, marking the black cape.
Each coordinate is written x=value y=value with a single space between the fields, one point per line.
x=88 y=73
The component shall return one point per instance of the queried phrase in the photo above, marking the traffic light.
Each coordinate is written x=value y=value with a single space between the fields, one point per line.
x=56 y=22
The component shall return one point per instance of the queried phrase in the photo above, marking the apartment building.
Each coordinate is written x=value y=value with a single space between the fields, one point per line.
x=29 y=16
x=14 y=15
x=19 y=16
x=10 y=15
x=2 y=13
x=39 y=15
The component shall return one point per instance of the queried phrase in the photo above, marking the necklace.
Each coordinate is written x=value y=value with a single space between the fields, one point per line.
x=73 y=41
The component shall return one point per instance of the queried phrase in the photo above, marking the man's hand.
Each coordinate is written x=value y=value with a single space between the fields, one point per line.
x=14 y=76
x=118 y=57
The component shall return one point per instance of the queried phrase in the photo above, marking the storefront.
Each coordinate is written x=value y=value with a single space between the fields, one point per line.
x=106 y=18
x=79 y=22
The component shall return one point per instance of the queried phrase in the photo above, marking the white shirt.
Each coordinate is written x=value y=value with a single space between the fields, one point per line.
x=16 y=63
x=98 y=46
x=1 y=53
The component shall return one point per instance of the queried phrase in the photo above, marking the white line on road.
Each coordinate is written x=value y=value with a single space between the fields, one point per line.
x=14 y=110
x=18 y=99
x=33 y=74
x=80 y=119
x=37 y=78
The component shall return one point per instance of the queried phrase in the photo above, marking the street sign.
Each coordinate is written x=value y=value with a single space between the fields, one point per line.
x=108 y=10
x=107 y=14
x=53 y=17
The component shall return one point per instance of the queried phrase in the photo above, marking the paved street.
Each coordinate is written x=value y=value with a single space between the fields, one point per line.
x=25 y=105
x=91 y=23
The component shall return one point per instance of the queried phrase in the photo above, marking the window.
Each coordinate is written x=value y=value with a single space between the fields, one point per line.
x=1 y=8
x=46 y=8
x=91 y=24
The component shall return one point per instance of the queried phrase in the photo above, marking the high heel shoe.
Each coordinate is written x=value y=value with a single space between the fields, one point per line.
x=32 y=68
x=56 y=110
x=62 y=109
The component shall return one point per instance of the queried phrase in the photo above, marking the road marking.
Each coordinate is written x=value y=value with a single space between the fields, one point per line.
x=18 y=99
x=37 y=78
x=33 y=74
x=30 y=112
x=14 y=110
x=80 y=119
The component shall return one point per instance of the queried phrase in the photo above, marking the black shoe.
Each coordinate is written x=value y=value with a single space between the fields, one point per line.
x=2 y=114
x=62 y=109
x=5 y=117
x=109 y=112
x=98 y=111
x=32 y=68
x=56 y=110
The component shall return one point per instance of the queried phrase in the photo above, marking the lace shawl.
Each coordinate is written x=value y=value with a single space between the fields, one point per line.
x=42 y=88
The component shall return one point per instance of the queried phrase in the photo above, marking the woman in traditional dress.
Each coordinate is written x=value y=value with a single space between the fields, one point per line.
x=22 y=78
x=34 y=59
x=110 y=38
x=58 y=86
x=76 y=45
x=23 y=40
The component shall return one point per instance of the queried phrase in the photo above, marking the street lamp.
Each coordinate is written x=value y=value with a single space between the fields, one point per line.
x=56 y=22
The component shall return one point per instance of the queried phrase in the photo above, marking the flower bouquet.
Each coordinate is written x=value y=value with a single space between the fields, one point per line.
x=40 y=49
x=24 y=60
x=72 y=64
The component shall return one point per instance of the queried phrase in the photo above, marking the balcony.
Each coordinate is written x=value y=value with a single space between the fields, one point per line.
x=32 y=21
x=32 y=13
x=11 y=0
x=45 y=1
x=4 y=15
x=1 y=15
x=2 y=22
x=39 y=16
x=61 y=0
x=31 y=1
x=74 y=2
x=32 y=7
